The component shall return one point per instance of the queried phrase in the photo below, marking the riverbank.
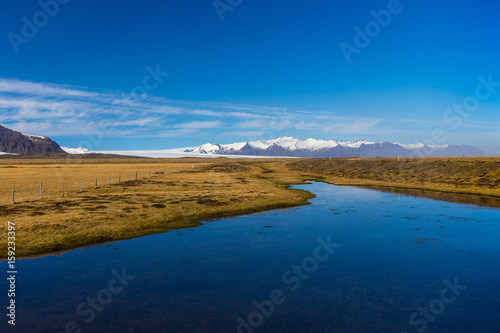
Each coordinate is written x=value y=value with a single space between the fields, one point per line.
x=179 y=193
x=459 y=175
x=158 y=203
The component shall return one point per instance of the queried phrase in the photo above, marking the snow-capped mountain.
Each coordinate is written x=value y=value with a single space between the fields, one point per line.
x=288 y=146
x=21 y=143
x=79 y=150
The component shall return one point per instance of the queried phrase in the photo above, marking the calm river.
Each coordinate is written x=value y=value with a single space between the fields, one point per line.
x=355 y=260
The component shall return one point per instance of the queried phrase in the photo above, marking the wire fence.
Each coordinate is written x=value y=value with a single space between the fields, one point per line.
x=65 y=181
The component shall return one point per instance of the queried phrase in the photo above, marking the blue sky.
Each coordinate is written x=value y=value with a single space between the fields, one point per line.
x=268 y=69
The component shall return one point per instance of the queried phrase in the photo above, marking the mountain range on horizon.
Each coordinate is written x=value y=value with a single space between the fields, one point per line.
x=14 y=142
x=288 y=146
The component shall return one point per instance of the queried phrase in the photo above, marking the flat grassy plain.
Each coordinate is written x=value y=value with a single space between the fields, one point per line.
x=191 y=190
x=27 y=175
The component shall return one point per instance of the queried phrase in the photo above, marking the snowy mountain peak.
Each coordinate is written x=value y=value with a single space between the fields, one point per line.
x=34 y=138
x=289 y=146
x=207 y=148
x=79 y=150
x=358 y=143
x=292 y=144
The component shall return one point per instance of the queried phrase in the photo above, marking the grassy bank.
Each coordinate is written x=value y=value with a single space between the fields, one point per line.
x=461 y=175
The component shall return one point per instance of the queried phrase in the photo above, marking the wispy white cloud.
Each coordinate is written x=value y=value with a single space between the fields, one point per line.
x=141 y=122
x=183 y=132
x=261 y=123
x=242 y=134
x=41 y=89
x=207 y=113
x=61 y=110
x=200 y=124
x=340 y=126
x=349 y=127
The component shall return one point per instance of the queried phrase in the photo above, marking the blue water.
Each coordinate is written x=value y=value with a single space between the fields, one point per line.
x=393 y=257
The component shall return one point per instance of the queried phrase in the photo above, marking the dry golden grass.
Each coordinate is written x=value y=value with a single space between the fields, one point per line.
x=27 y=175
x=134 y=208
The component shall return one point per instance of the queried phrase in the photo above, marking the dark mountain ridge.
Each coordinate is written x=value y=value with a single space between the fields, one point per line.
x=19 y=143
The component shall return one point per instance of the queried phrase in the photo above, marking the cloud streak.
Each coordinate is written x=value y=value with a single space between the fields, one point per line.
x=62 y=110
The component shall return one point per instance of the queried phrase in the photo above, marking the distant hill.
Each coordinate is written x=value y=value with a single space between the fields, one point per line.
x=287 y=146
x=70 y=158
x=19 y=143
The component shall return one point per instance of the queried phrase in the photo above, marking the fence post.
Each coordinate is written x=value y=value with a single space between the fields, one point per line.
x=129 y=176
x=119 y=178
x=63 y=188
x=96 y=183
x=13 y=194
x=136 y=175
x=109 y=180
x=80 y=185
x=41 y=190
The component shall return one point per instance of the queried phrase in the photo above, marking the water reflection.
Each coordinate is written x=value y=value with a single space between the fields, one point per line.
x=466 y=199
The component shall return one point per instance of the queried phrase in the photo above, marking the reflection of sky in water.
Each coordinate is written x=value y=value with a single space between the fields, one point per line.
x=395 y=253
